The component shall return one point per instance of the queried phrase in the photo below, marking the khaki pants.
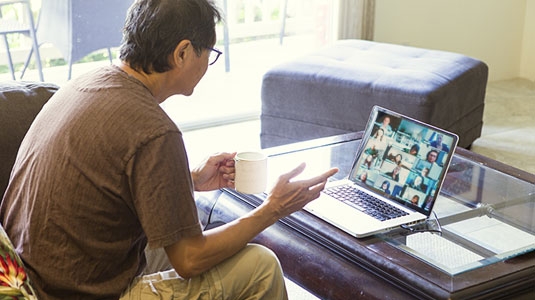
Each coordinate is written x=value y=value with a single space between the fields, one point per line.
x=253 y=273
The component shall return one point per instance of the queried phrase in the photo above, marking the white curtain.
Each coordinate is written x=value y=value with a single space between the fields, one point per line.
x=356 y=19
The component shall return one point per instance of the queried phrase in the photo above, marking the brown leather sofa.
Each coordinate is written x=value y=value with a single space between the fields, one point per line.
x=19 y=104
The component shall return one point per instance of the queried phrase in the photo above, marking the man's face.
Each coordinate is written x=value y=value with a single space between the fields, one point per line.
x=190 y=66
x=197 y=68
x=432 y=156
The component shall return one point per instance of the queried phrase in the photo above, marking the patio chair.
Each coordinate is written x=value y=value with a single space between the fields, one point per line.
x=80 y=27
x=19 y=25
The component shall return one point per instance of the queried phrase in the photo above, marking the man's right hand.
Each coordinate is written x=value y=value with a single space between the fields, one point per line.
x=289 y=196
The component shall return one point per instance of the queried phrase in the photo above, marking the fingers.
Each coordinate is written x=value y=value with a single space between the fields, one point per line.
x=225 y=163
x=227 y=168
x=321 y=178
x=223 y=158
x=288 y=196
x=229 y=179
x=308 y=183
x=317 y=184
x=293 y=173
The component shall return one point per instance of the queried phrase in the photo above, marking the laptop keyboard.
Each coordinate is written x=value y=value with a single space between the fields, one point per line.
x=364 y=202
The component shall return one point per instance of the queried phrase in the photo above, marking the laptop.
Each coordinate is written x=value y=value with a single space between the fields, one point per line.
x=401 y=164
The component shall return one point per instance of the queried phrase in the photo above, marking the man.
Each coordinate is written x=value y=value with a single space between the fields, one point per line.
x=439 y=145
x=431 y=164
x=432 y=156
x=103 y=171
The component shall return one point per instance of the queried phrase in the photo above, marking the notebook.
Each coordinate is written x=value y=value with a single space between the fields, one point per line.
x=401 y=164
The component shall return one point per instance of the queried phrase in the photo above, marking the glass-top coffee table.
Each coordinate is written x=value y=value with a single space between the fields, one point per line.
x=480 y=242
x=483 y=216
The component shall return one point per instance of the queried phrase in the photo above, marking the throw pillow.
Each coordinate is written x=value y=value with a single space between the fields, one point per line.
x=14 y=282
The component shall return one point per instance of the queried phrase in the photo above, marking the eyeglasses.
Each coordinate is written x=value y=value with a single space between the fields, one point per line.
x=214 y=55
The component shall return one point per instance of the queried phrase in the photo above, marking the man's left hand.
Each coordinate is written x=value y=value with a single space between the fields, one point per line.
x=215 y=172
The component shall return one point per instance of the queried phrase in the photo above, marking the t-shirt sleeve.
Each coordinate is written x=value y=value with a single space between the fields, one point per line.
x=162 y=190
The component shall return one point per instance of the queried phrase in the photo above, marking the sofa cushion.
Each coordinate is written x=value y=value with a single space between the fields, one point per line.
x=19 y=104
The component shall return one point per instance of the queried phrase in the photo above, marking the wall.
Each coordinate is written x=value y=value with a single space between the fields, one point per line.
x=489 y=30
x=527 y=65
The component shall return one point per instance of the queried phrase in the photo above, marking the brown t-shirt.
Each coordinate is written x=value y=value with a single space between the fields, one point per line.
x=102 y=170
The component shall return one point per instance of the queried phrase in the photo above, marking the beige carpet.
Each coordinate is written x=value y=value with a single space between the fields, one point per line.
x=509 y=129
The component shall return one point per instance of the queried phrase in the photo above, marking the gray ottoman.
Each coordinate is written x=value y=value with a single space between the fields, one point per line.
x=332 y=91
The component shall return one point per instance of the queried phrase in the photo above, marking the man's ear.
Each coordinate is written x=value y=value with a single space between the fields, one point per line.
x=182 y=52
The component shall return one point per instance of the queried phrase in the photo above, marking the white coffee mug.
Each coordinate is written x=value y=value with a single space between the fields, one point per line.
x=251 y=172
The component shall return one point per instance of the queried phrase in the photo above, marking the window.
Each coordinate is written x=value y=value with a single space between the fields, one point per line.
x=258 y=38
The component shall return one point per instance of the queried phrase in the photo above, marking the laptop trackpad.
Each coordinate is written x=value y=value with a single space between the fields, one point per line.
x=343 y=215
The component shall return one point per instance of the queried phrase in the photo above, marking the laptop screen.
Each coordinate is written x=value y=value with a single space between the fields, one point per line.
x=403 y=159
